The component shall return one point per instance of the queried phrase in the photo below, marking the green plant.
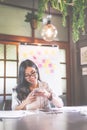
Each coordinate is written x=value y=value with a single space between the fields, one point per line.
x=32 y=16
x=78 y=23
x=78 y=11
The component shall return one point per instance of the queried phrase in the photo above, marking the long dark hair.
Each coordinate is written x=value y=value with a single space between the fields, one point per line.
x=23 y=86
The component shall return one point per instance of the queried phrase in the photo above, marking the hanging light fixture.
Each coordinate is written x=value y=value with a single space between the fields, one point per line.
x=49 y=31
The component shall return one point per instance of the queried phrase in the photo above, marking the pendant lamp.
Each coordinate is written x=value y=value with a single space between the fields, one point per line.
x=49 y=31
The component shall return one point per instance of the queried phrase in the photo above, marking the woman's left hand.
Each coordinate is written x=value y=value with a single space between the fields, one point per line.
x=41 y=92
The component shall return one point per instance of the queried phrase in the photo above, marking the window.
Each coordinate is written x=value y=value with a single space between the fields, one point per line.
x=63 y=69
x=8 y=70
x=63 y=75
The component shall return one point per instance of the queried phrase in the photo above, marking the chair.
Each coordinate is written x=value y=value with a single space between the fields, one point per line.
x=63 y=97
x=7 y=105
x=1 y=105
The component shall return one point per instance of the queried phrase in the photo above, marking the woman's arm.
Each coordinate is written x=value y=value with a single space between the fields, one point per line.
x=57 y=101
x=52 y=97
x=17 y=105
x=21 y=106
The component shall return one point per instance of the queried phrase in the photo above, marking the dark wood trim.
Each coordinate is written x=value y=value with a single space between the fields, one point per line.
x=68 y=69
x=29 y=40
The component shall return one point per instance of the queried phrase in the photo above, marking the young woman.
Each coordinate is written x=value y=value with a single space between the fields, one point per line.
x=32 y=93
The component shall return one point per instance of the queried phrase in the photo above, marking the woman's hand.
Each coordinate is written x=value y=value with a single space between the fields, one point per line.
x=42 y=92
x=30 y=98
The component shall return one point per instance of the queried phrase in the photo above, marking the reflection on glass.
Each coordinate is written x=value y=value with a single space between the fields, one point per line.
x=11 y=52
x=1 y=85
x=63 y=70
x=8 y=97
x=10 y=83
x=1 y=68
x=63 y=85
x=1 y=102
x=1 y=99
x=62 y=55
x=11 y=68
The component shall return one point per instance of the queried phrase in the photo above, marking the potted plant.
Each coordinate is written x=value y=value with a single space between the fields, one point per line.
x=33 y=19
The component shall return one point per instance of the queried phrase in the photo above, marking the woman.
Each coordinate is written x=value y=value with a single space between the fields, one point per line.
x=31 y=92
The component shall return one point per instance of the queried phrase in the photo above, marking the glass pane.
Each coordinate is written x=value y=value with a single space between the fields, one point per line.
x=1 y=68
x=11 y=68
x=10 y=83
x=63 y=70
x=1 y=99
x=63 y=85
x=11 y=52
x=1 y=85
x=8 y=97
x=62 y=55
x=1 y=102
x=1 y=51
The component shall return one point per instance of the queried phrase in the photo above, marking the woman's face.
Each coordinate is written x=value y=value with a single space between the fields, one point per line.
x=31 y=75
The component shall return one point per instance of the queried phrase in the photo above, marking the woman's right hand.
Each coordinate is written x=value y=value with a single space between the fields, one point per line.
x=30 y=98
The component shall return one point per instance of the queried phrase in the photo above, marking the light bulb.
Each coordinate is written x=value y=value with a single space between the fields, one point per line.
x=49 y=32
